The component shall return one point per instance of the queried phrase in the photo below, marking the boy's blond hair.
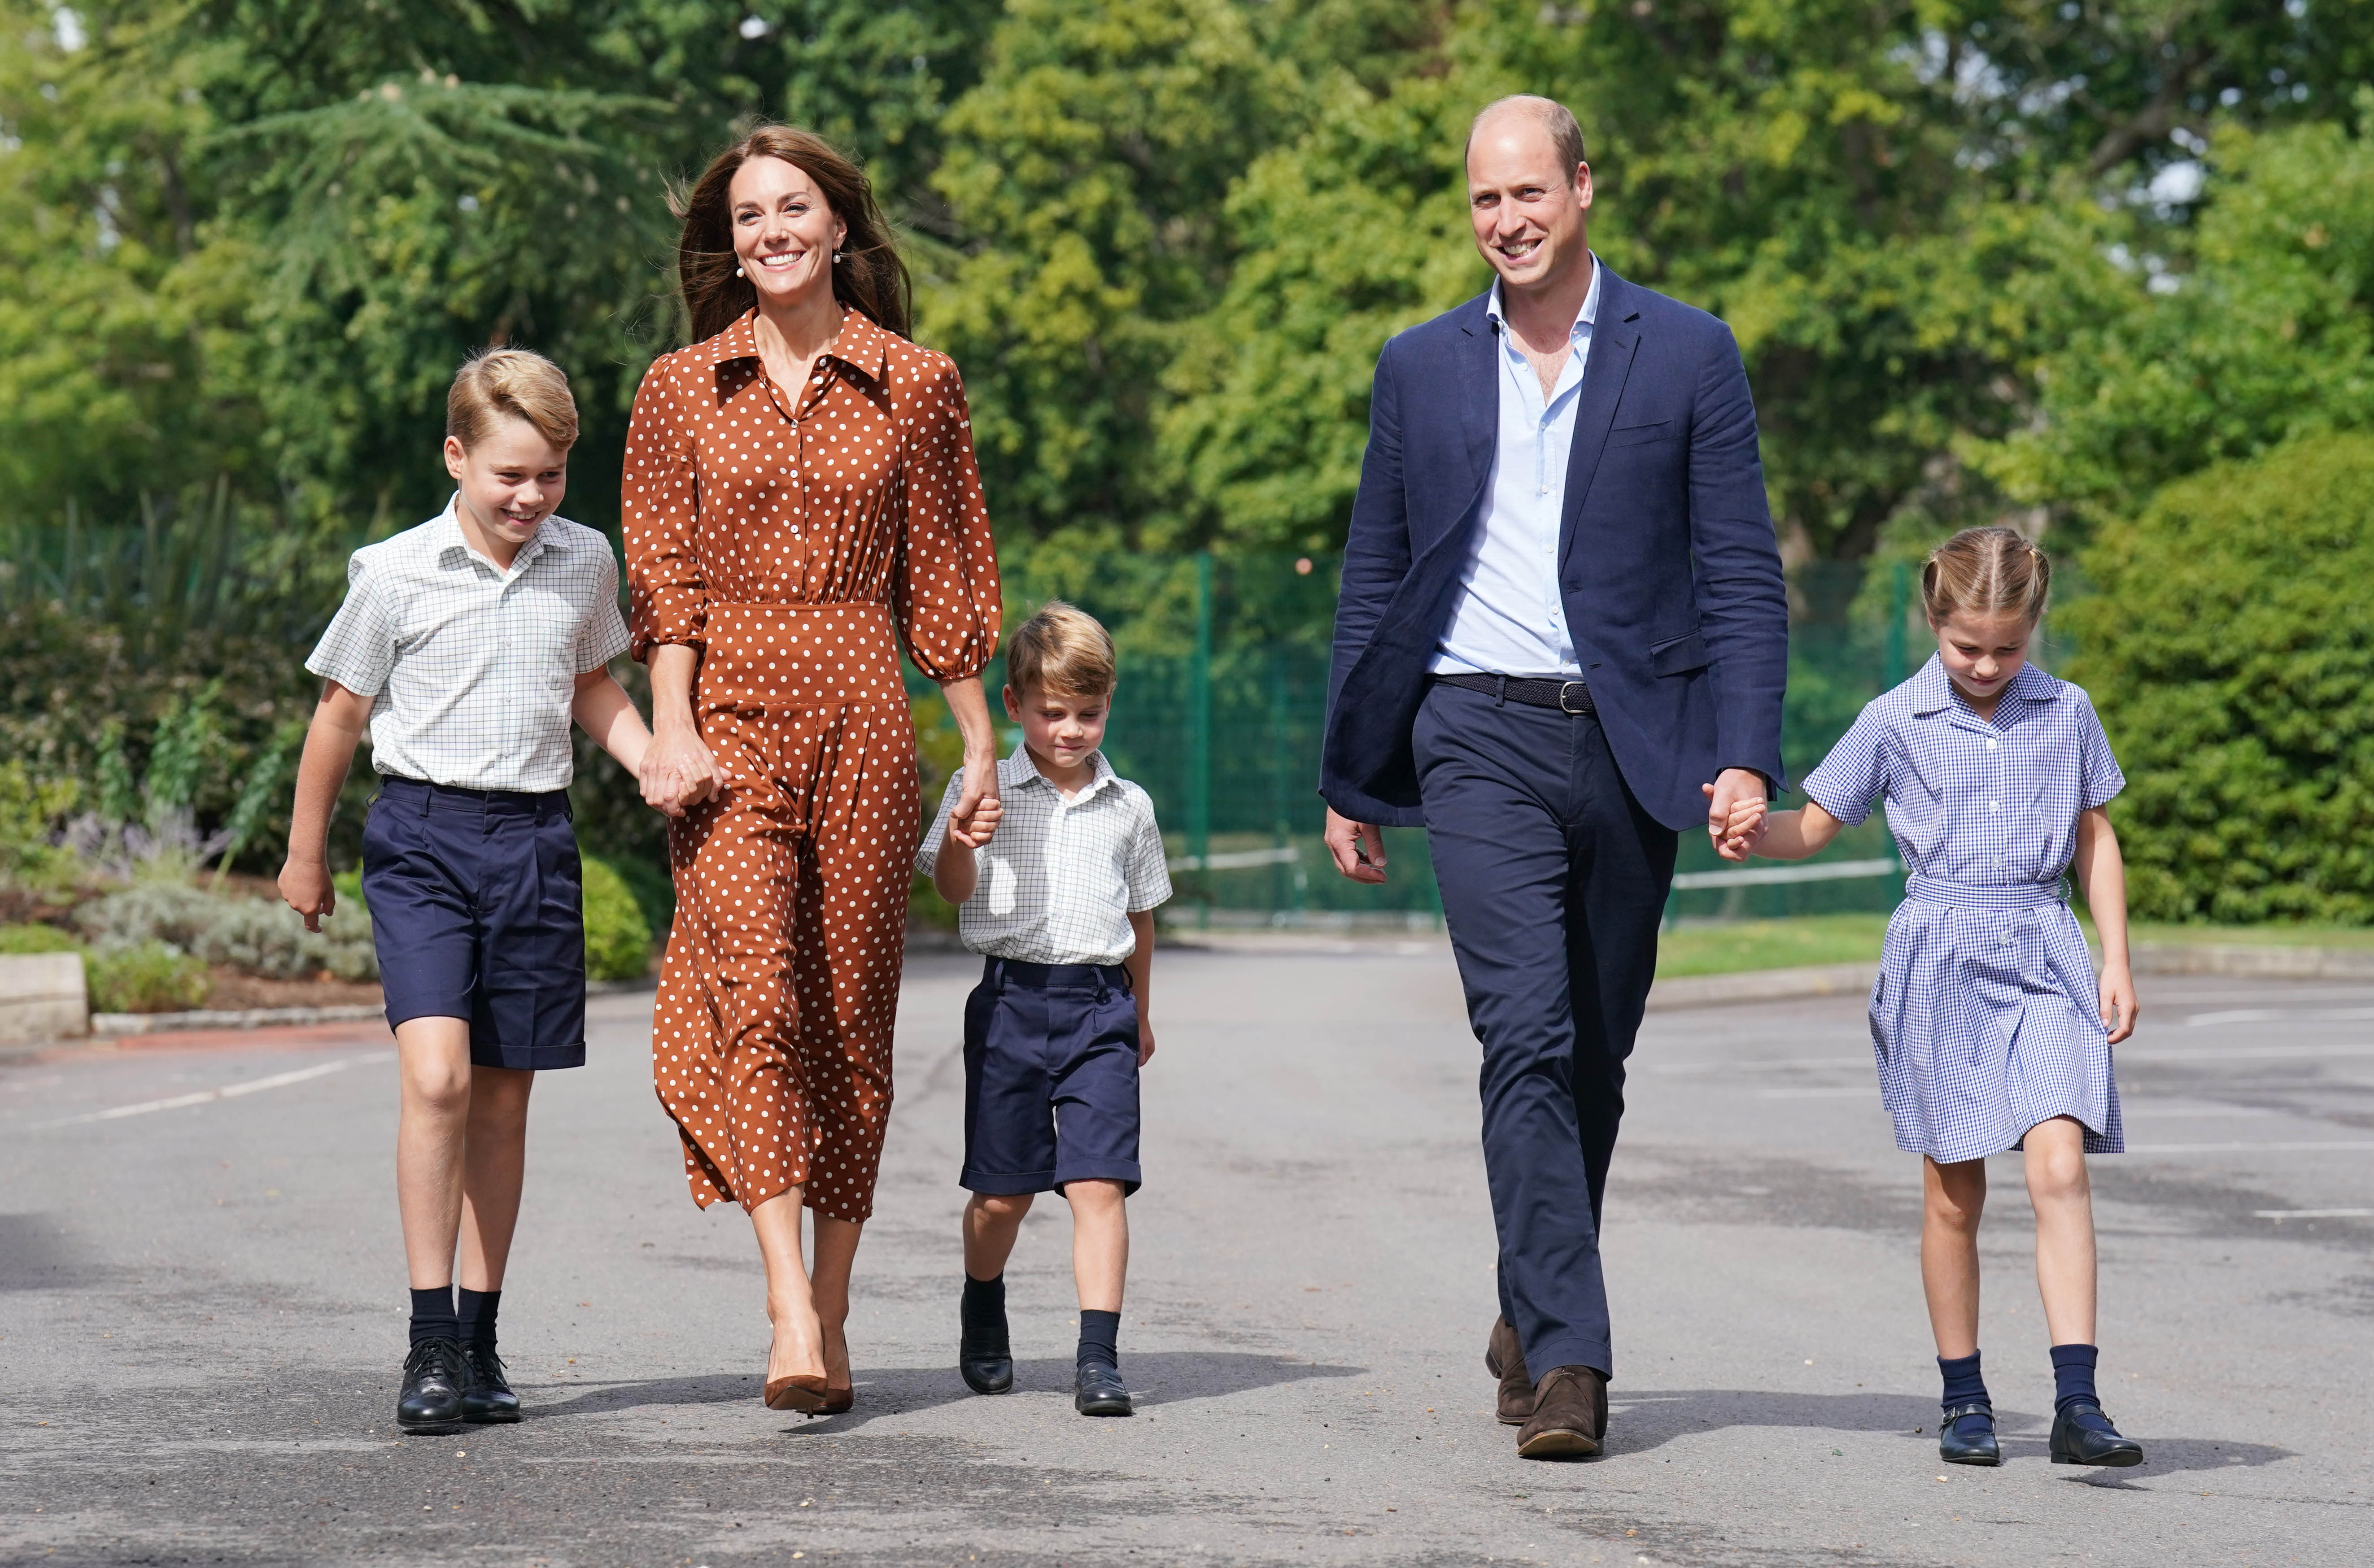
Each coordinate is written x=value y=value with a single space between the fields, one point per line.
x=1061 y=649
x=496 y=383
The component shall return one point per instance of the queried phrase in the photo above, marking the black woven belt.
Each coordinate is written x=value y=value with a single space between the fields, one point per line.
x=1533 y=691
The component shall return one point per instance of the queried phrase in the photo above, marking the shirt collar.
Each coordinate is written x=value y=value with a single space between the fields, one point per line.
x=859 y=345
x=1583 y=323
x=450 y=545
x=1933 y=689
x=1016 y=771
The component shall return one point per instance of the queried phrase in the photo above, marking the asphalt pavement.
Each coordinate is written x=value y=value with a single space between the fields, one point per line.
x=201 y=1310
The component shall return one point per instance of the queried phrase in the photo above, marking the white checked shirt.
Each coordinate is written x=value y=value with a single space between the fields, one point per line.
x=474 y=668
x=1060 y=878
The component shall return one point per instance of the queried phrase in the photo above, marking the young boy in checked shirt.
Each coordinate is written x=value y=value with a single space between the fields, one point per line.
x=468 y=645
x=1056 y=887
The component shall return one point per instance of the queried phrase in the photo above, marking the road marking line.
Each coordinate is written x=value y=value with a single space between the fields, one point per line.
x=2284 y=1015
x=228 y=1092
x=2313 y=1213
x=1825 y=1091
x=2327 y=1146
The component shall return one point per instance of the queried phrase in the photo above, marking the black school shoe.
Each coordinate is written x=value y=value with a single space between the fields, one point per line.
x=985 y=1358
x=434 y=1377
x=1966 y=1436
x=2077 y=1440
x=1098 y=1390
x=486 y=1395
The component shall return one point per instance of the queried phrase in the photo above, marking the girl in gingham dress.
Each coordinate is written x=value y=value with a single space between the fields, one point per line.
x=1991 y=1028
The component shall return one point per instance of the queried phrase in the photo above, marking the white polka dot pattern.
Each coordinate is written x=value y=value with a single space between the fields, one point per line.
x=798 y=546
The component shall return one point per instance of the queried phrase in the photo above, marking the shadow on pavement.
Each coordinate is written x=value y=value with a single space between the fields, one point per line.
x=1651 y=1418
x=1155 y=1379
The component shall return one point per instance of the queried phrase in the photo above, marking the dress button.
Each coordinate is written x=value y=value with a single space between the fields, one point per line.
x=1994 y=805
x=1991 y=745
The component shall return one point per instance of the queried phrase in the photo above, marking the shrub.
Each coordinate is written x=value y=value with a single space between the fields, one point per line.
x=252 y=934
x=618 y=938
x=2230 y=651
x=30 y=808
x=36 y=939
x=146 y=976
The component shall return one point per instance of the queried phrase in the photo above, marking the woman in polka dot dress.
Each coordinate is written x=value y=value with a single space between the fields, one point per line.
x=800 y=498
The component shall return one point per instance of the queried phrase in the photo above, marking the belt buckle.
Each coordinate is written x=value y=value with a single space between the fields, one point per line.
x=1565 y=686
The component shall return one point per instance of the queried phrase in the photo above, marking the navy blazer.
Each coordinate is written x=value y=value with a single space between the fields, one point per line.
x=1667 y=560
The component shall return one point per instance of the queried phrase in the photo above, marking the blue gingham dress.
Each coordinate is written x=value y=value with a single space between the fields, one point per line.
x=1985 y=1018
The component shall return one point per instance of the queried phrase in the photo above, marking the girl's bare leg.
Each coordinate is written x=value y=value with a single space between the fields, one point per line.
x=494 y=1163
x=431 y=1133
x=836 y=1253
x=2063 y=1197
x=798 y=1348
x=1953 y=1198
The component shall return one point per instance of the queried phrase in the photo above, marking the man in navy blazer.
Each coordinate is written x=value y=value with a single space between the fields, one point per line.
x=1562 y=640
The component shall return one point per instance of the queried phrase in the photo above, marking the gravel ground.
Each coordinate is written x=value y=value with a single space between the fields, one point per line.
x=201 y=1311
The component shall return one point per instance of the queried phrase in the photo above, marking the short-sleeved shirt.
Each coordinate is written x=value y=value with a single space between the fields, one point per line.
x=1974 y=802
x=1060 y=879
x=475 y=667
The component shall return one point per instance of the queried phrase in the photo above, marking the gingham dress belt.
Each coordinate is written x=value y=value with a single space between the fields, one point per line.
x=1533 y=691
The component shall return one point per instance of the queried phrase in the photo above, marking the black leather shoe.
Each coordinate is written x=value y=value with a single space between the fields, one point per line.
x=1966 y=1436
x=486 y=1396
x=433 y=1380
x=1504 y=1358
x=2082 y=1434
x=1098 y=1390
x=985 y=1359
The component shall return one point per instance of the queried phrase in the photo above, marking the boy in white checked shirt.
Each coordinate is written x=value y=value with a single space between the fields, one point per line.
x=468 y=645
x=1056 y=885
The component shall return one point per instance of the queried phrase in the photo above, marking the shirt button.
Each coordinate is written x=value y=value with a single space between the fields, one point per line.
x=1994 y=805
x=1991 y=745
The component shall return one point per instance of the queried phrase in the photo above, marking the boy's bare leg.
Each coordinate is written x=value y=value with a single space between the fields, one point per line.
x=431 y=1132
x=2063 y=1197
x=798 y=1346
x=494 y=1163
x=836 y=1253
x=1953 y=1198
x=1099 y=1242
x=991 y=1222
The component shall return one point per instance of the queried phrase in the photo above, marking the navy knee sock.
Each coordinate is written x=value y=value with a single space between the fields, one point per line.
x=475 y=1312
x=2072 y=1376
x=1100 y=1340
x=432 y=1314
x=1964 y=1386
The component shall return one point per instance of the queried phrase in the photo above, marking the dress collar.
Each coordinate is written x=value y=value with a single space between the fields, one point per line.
x=859 y=345
x=1933 y=689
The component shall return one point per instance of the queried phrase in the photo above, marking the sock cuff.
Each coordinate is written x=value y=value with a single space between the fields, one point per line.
x=2075 y=1355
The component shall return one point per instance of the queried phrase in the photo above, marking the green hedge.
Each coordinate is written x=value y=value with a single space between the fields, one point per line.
x=2230 y=651
x=617 y=936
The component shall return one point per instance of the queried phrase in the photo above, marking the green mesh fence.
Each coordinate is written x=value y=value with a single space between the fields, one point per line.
x=1223 y=699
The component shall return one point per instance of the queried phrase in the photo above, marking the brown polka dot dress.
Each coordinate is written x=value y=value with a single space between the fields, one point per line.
x=797 y=540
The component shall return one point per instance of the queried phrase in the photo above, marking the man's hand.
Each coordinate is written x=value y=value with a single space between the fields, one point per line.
x=1733 y=787
x=1358 y=847
x=305 y=886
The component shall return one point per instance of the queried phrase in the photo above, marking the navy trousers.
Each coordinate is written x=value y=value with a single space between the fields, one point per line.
x=1554 y=881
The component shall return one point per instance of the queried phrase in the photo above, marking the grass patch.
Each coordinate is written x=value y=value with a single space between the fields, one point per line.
x=2252 y=936
x=1770 y=945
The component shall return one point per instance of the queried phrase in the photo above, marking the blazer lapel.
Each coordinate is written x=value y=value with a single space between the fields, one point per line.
x=1615 y=338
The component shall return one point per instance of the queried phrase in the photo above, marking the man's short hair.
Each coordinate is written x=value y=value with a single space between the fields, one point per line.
x=495 y=383
x=1565 y=131
x=1061 y=649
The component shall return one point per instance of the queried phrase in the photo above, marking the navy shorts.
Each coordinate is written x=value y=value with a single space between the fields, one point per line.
x=477 y=912
x=1051 y=1078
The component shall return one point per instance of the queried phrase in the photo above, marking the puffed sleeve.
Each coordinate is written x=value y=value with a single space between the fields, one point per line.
x=659 y=509
x=1855 y=773
x=947 y=596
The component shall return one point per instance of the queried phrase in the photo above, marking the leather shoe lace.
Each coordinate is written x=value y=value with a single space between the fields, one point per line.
x=434 y=1377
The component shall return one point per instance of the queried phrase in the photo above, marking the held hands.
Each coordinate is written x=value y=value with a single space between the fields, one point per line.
x=1735 y=812
x=2118 y=999
x=679 y=772
x=973 y=819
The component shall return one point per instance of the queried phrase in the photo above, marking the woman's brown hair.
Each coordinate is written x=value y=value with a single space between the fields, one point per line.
x=870 y=274
x=1985 y=571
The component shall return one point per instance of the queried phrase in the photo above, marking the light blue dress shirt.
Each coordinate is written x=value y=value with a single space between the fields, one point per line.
x=1508 y=618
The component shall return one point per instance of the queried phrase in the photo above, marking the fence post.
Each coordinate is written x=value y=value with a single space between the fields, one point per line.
x=1899 y=605
x=1199 y=737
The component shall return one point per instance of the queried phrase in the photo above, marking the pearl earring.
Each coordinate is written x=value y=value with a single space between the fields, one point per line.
x=836 y=258
x=739 y=273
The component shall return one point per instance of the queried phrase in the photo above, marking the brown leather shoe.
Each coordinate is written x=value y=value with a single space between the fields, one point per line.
x=1569 y=1415
x=1504 y=1358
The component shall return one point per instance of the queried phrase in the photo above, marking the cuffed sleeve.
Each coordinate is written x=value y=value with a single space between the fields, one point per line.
x=1855 y=773
x=948 y=601
x=2100 y=777
x=659 y=513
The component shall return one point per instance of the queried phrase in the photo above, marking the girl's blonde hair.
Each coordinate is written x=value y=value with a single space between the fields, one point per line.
x=1986 y=571
x=498 y=382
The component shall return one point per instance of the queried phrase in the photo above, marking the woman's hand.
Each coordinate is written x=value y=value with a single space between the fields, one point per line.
x=975 y=815
x=679 y=771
